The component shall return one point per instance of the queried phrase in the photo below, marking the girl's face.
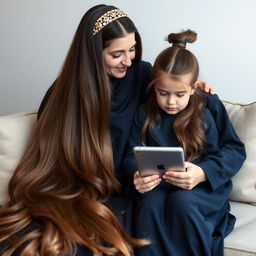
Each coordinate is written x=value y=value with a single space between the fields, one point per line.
x=173 y=95
x=119 y=54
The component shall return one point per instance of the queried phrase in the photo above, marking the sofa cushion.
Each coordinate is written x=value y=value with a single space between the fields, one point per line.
x=14 y=132
x=241 y=241
x=243 y=118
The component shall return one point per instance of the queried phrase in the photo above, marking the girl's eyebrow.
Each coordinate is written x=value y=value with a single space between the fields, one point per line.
x=181 y=91
x=160 y=89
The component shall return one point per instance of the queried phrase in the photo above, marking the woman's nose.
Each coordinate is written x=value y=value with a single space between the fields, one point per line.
x=127 y=61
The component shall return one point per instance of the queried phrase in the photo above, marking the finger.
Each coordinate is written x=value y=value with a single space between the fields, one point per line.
x=149 y=186
x=150 y=178
x=153 y=184
x=136 y=175
x=212 y=91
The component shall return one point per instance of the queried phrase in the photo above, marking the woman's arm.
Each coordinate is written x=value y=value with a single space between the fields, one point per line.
x=129 y=166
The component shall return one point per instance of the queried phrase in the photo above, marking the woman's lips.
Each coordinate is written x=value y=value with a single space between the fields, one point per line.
x=121 y=70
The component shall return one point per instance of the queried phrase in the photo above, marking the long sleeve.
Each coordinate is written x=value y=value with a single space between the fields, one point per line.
x=221 y=166
x=129 y=165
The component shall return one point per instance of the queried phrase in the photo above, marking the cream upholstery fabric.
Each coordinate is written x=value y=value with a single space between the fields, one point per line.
x=243 y=118
x=14 y=132
x=242 y=240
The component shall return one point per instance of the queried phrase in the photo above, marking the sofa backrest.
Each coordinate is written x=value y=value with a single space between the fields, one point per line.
x=14 y=133
x=16 y=129
x=243 y=118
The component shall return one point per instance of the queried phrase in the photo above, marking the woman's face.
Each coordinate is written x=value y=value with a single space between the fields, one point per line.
x=119 y=54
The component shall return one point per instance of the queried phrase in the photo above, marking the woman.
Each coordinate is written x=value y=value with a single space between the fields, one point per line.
x=66 y=178
x=59 y=190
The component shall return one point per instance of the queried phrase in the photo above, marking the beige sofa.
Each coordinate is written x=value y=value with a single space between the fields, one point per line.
x=15 y=130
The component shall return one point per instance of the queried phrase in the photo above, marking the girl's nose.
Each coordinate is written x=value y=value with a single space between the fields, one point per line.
x=171 y=100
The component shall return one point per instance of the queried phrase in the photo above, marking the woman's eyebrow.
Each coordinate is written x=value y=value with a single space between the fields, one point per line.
x=117 y=51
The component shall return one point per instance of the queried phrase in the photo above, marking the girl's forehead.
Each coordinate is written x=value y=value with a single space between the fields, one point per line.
x=178 y=82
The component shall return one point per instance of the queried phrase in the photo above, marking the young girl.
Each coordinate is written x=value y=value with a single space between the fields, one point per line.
x=182 y=213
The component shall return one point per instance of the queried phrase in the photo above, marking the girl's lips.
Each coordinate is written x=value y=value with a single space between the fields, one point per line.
x=171 y=109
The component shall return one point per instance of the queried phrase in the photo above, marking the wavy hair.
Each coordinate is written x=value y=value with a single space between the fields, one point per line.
x=59 y=189
x=177 y=61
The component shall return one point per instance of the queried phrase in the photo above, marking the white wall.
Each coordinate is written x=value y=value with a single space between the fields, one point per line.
x=35 y=36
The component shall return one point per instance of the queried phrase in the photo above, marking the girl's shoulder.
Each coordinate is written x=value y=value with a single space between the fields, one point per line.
x=208 y=119
x=207 y=114
x=214 y=103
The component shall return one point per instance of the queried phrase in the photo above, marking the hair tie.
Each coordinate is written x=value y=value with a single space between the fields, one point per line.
x=178 y=41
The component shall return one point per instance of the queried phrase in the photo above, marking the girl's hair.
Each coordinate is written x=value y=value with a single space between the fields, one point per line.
x=176 y=61
x=59 y=188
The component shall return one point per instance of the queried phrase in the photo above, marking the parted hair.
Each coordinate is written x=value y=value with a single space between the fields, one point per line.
x=59 y=189
x=177 y=61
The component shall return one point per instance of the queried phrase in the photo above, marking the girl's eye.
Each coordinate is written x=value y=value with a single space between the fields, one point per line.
x=162 y=93
x=180 y=95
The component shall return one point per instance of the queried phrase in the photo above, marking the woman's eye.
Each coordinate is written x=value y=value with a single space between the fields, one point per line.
x=132 y=49
x=180 y=95
x=115 y=56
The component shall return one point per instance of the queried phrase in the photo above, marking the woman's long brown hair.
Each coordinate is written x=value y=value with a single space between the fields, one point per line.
x=176 y=61
x=58 y=190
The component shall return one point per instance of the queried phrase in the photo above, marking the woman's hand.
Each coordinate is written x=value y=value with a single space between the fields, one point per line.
x=188 y=179
x=145 y=184
x=205 y=87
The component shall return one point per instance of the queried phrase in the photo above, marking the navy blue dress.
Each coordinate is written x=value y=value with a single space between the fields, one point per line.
x=187 y=222
x=128 y=93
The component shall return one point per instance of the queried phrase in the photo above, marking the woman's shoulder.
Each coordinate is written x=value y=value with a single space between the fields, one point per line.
x=142 y=109
x=143 y=65
x=141 y=112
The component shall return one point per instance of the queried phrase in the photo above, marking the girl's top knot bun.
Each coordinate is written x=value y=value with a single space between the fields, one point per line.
x=182 y=38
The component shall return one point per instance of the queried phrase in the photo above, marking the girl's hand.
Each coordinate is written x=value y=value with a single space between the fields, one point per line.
x=145 y=184
x=186 y=180
x=205 y=87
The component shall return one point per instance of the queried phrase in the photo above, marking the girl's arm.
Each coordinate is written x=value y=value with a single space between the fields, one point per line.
x=221 y=165
x=231 y=153
x=223 y=157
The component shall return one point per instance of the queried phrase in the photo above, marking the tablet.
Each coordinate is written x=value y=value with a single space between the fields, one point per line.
x=155 y=160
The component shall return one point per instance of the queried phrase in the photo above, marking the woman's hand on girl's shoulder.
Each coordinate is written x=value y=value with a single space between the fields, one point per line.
x=188 y=179
x=145 y=184
x=205 y=87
